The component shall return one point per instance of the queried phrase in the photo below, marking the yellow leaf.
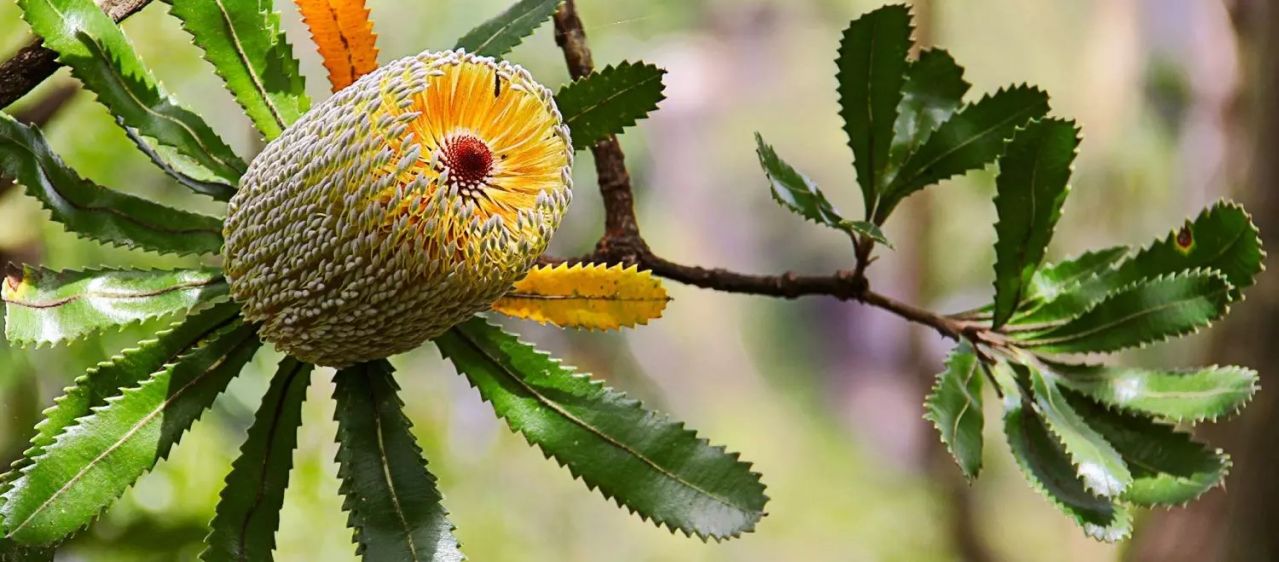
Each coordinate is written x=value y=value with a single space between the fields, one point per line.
x=592 y=296
x=343 y=33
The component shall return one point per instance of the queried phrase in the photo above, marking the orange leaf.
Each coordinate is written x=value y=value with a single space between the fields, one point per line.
x=343 y=33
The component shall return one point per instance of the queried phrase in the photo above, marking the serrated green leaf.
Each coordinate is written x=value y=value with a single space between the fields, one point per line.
x=1099 y=466
x=607 y=102
x=185 y=170
x=1190 y=395
x=868 y=229
x=243 y=41
x=1046 y=465
x=1054 y=279
x=933 y=90
x=92 y=462
x=47 y=306
x=1147 y=312
x=955 y=408
x=248 y=512
x=640 y=458
x=1221 y=238
x=394 y=506
x=872 y=66
x=96 y=212
x=126 y=370
x=496 y=37
x=972 y=138
x=1049 y=471
x=794 y=190
x=1030 y=189
x=100 y=56
x=1168 y=467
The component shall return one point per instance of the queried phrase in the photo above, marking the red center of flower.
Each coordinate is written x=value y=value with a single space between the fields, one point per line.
x=468 y=161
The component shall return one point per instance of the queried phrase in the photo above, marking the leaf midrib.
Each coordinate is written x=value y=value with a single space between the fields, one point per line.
x=969 y=399
x=115 y=295
x=128 y=435
x=260 y=492
x=605 y=298
x=1049 y=397
x=591 y=429
x=897 y=185
x=385 y=463
x=507 y=25
x=53 y=188
x=617 y=94
x=248 y=66
x=1074 y=337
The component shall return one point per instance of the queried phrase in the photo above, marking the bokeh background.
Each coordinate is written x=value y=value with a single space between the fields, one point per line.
x=823 y=396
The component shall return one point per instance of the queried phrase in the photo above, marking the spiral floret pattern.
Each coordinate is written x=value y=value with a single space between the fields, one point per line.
x=399 y=207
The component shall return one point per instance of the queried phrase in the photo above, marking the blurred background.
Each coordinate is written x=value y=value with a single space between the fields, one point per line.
x=1178 y=110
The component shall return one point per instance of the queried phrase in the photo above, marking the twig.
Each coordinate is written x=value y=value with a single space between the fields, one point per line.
x=31 y=65
x=622 y=242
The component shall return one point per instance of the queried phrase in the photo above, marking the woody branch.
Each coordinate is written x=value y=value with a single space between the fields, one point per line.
x=622 y=242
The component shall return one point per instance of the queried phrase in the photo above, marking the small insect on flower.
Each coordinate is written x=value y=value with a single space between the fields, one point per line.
x=398 y=208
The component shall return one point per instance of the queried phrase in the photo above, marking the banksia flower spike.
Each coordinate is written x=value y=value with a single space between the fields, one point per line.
x=389 y=215
x=398 y=208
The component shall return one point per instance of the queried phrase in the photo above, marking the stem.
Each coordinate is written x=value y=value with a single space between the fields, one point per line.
x=622 y=242
x=32 y=64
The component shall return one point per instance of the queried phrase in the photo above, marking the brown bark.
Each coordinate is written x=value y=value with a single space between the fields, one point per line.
x=25 y=70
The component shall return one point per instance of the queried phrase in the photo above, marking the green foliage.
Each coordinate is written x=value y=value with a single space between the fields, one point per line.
x=46 y=306
x=1047 y=467
x=1055 y=279
x=496 y=37
x=243 y=41
x=183 y=170
x=124 y=415
x=1101 y=469
x=796 y=192
x=933 y=91
x=1030 y=190
x=96 y=212
x=905 y=119
x=1221 y=238
x=1191 y=395
x=1093 y=439
x=973 y=137
x=1150 y=311
x=394 y=507
x=248 y=513
x=103 y=59
x=639 y=458
x=872 y=66
x=126 y=370
x=1168 y=467
x=607 y=102
x=955 y=408
x=93 y=461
